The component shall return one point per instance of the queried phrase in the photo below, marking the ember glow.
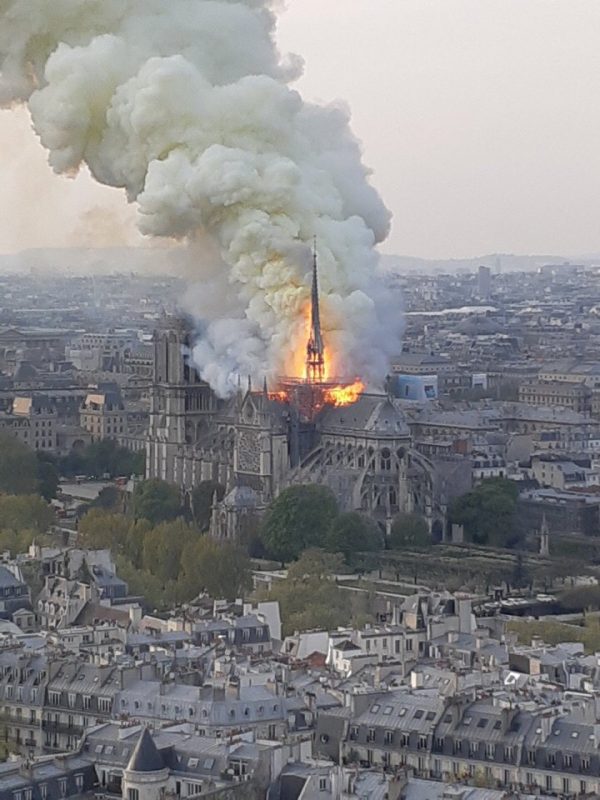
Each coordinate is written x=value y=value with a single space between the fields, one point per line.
x=344 y=395
x=315 y=362
x=279 y=396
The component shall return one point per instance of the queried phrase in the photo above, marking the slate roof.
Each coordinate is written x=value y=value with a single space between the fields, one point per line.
x=145 y=757
x=370 y=413
x=7 y=579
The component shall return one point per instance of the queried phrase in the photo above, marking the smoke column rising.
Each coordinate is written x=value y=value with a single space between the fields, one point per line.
x=187 y=106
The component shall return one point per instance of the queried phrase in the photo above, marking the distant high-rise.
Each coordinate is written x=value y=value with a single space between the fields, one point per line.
x=484 y=283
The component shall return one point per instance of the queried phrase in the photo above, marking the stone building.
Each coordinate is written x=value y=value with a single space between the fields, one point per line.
x=257 y=443
x=576 y=396
x=32 y=420
x=103 y=414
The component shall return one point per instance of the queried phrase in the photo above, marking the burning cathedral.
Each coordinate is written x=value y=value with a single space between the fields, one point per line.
x=308 y=429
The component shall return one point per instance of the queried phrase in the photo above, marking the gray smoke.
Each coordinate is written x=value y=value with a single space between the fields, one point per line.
x=187 y=106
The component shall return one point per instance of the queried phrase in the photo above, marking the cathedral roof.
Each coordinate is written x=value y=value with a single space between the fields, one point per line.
x=145 y=757
x=371 y=414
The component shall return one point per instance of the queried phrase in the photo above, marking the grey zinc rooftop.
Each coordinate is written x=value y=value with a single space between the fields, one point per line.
x=370 y=413
x=410 y=711
x=145 y=757
x=205 y=705
x=7 y=579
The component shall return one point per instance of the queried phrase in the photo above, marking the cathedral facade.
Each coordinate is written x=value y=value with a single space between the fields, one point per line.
x=256 y=444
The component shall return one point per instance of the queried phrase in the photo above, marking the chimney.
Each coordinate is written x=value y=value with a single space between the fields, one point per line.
x=232 y=688
x=135 y=615
x=416 y=680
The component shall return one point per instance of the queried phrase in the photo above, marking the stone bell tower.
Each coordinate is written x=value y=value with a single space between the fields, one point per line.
x=182 y=404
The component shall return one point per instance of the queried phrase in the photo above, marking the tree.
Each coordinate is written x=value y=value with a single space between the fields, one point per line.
x=143 y=583
x=298 y=519
x=100 y=530
x=108 y=457
x=488 y=513
x=581 y=598
x=318 y=564
x=202 y=501
x=409 y=530
x=23 y=518
x=309 y=597
x=164 y=546
x=351 y=533
x=105 y=457
x=133 y=548
x=18 y=467
x=47 y=476
x=156 y=501
x=110 y=498
x=223 y=569
x=25 y=512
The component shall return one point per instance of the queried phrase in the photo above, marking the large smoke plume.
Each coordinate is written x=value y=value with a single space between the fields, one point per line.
x=187 y=105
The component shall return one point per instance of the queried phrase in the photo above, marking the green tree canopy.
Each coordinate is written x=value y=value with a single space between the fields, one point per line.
x=156 y=501
x=105 y=457
x=298 y=519
x=409 y=530
x=351 y=533
x=169 y=563
x=110 y=498
x=488 y=513
x=310 y=599
x=581 y=598
x=164 y=546
x=99 y=529
x=221 y=570
x=18 y=467
x=25 y=512
x=202 y=500
x=47 y=476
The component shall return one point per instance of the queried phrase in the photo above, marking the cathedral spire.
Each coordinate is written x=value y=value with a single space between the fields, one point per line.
x=315 y=350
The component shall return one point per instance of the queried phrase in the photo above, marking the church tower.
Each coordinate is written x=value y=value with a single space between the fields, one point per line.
x=181 y=408
x=315 y=349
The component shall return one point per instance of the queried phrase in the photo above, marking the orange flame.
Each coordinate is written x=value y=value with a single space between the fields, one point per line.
x=280 y=397
x=332 y=391
x=344 y=395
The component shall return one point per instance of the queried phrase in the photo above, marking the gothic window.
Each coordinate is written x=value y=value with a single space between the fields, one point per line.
x=386 y=460
x=248 y=452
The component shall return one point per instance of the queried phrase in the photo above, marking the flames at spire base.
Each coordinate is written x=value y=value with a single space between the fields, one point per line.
x=311 y=394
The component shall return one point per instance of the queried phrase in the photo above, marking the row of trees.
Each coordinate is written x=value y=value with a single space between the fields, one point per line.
x=105 y=457
x=304 y=517
x=310 y=599
x=170 y=562
x=23 y=471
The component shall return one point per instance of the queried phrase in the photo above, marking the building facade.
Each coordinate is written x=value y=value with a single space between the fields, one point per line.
x=257 y=443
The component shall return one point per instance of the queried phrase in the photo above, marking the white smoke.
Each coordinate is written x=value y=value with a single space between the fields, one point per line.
x=186 y=105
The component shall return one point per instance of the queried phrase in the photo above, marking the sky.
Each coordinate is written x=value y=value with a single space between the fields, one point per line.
x=479 y=118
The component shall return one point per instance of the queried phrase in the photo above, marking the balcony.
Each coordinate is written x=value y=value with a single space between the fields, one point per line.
x=62 y=727
x=19 y=722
